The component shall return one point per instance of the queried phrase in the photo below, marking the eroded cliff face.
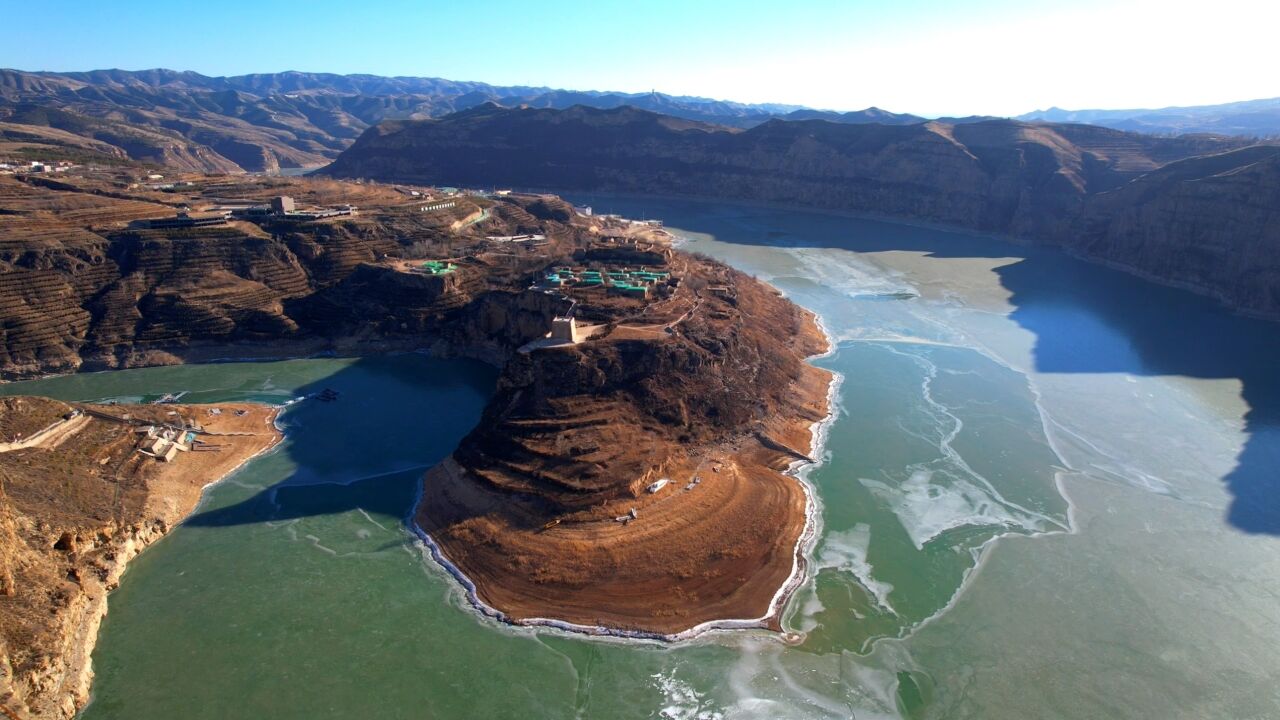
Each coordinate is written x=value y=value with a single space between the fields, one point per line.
x=1194 y=210
x=1211 y=224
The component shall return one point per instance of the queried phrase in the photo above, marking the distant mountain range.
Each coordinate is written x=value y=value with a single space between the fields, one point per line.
x=269 y=121
x=1194 y=210
x=1251 y=118
x=263 y=122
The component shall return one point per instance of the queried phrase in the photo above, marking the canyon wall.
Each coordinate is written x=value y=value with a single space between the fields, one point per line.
x=1192 y=210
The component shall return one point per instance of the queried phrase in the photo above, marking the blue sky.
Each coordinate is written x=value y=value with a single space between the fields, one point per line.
x=924 y=56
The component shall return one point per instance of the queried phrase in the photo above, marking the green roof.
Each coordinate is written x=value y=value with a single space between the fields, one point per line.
x=437 y=267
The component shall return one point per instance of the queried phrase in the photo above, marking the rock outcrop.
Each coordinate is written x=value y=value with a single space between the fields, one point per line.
x=1105 y=194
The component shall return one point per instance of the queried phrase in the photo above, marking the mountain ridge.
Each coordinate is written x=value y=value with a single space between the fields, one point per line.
x=268 y=122
x=1250 y=118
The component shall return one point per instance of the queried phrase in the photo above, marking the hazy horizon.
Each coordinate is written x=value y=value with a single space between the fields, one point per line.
x=925 y=57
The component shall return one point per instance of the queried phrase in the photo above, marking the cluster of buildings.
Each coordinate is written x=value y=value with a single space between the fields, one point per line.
x=169 y=186
x=283 y=207
x=618 y=219
x=628 y=282
x=164 y=443
x=187 y=219
x=35 y=167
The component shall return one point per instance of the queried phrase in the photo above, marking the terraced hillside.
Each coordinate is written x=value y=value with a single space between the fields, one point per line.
x=84 y=285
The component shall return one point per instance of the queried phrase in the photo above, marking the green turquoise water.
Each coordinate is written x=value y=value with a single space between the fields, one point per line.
x=1046 y=494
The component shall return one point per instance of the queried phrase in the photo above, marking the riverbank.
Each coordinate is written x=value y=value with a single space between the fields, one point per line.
x=66 y=549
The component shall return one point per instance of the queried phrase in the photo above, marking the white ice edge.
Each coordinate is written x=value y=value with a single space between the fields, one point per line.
x=798 y=469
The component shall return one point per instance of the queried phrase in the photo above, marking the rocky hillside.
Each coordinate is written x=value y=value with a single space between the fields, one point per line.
x=619 y=405
x=680 y=395
x=1102 y=193
x=633 y=481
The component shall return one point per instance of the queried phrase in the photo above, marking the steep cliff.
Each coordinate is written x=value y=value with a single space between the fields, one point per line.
x=1103 y=193
x=1209 y=223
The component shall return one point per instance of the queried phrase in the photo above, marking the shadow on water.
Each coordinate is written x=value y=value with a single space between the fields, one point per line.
x=1087 y=319
x=394 y=417
x=1093 y=320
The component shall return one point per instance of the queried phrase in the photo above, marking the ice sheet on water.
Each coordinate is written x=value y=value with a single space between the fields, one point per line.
x=767 y=682
x=846 y=273
x=681 y=701
x=929 y=503
x=805 y=618
x=847 y=550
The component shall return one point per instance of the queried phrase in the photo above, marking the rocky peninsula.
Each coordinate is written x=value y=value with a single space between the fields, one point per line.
x=83 y=489
x=634 y=481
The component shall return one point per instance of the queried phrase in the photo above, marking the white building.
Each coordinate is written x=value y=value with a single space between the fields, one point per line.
x=565 y=329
